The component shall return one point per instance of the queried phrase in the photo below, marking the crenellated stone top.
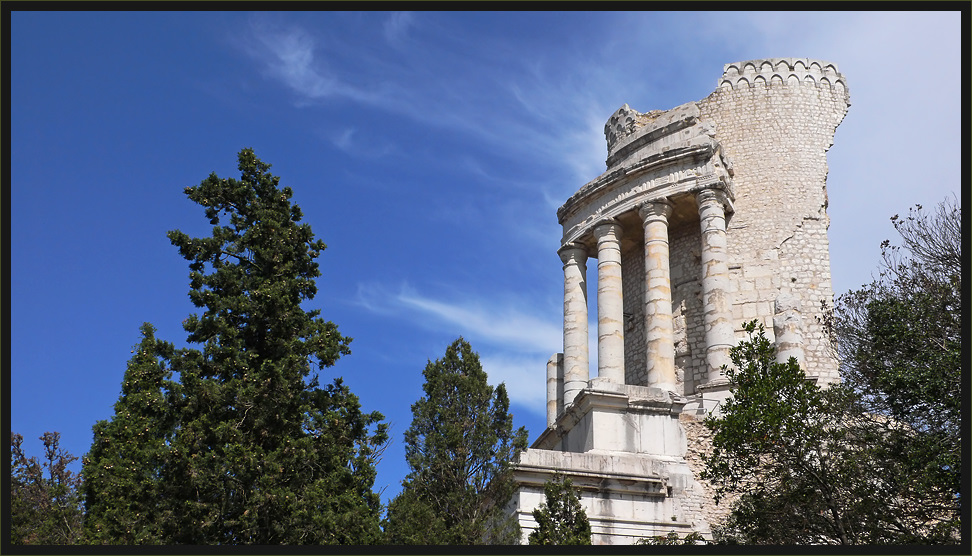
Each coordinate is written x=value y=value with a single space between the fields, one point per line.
x=628 y=130
x=624 y=122
x=780 y=72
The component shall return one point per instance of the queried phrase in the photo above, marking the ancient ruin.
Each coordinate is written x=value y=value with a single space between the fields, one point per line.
x=709 y=215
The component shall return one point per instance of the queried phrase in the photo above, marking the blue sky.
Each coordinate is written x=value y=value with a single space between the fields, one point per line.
x=429 y=150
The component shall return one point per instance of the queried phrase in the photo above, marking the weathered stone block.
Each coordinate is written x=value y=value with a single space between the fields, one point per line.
x=741 y=176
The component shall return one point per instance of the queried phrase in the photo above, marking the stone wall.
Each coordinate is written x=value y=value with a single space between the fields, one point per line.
x=699 y=440
x=633 y=280
x=775 y=120
x=685 y=245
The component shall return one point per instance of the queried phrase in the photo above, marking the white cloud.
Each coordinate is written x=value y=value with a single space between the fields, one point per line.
x=524 y=376
x=289 y=54
x=513 y=341
x=396 y=27
x=439 y=90
x=343 y=140
x=498 y=323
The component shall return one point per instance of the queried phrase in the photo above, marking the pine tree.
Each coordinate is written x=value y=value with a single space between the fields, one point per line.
x=561 y=520
x=263 y=454
x=459 y=449
x=247 y=447
x=122 y=470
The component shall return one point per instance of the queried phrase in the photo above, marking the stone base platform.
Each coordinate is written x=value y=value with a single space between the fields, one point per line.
x=623 y=448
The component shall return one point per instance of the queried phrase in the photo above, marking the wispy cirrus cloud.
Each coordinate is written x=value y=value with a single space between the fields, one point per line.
x=529 y=111
x=499 y=325
x=396 y=27
x=293 y=56
x=515 y=342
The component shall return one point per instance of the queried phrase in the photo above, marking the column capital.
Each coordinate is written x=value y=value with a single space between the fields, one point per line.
x=574 y=253
x=607 y=228
x=712 y=194
x=661 y=208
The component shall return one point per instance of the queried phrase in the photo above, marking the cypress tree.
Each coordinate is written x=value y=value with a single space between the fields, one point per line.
x=122 y=470
x=263 y=454
x=459 y=448
x=247 y=447
x=561 y=520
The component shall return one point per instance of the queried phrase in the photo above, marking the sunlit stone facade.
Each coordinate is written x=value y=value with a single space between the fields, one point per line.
x=709 y=215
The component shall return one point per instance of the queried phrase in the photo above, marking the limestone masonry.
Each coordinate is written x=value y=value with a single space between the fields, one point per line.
x=709 y=215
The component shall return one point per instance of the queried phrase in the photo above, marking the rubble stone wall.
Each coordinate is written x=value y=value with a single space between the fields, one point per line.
x=775 y=120
x=635 y=348
x=686 y=265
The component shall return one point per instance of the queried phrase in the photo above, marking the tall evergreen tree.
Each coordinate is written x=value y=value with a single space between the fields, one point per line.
x=561 y=520
x=247 y=448
x=459 y=449
x=263 y=455
x=123 y=468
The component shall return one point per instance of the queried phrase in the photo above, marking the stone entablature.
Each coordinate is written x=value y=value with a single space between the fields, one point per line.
x=708 y=215
x=671 y=154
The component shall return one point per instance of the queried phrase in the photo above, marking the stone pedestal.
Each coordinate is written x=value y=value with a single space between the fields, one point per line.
x=612 y=417
x=627 y=497
x=624 y=449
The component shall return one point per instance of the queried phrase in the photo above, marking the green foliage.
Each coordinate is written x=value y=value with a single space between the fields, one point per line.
x=43 y=510
x=412 y=519
x=672 y=539
x=459 y=448
x=900 y=344
x=122 y=469
x=781 y=443
x=875 y=459
x=561 y=520
x=247 y=447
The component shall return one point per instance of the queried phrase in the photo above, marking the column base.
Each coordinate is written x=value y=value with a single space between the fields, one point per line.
x=611 y=417
x=710 y=397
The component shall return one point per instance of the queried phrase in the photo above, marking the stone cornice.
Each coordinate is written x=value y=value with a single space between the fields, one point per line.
x=604 y=481
x=655 y=162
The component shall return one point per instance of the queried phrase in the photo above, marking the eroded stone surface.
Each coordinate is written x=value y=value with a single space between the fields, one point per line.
x=709 y=215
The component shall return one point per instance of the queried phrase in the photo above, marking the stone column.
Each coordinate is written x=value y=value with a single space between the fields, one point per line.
x=555 y=388
x=610 y=303
x=576 y=359
x=659 y=328
x=787 y=326
x=717 y=308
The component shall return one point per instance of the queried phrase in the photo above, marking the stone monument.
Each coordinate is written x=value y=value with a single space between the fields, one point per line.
x=709 y=215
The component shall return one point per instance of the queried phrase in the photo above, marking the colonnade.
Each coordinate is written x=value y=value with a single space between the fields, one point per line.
x=659 y=328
